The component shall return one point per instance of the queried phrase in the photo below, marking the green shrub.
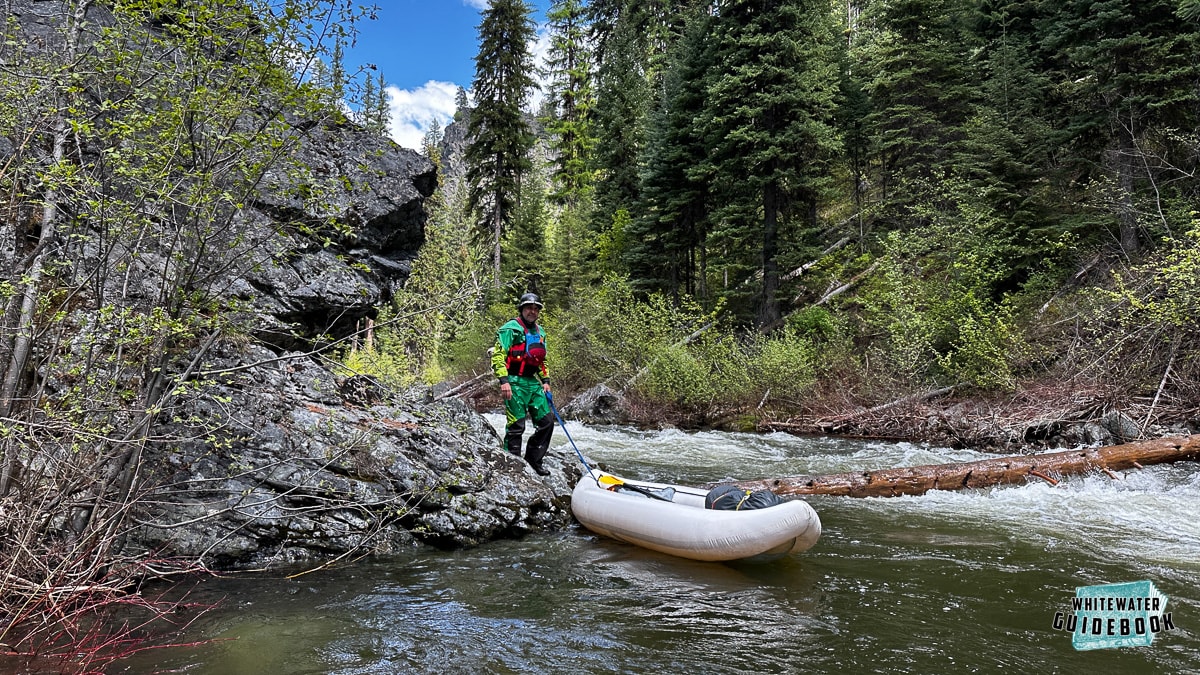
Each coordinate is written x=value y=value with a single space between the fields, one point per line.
x=936 y=301
x=677 y=377
x=785 y=364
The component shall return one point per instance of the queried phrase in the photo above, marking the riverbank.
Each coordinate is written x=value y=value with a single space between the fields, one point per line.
x=1037 y=415
x=891 y=580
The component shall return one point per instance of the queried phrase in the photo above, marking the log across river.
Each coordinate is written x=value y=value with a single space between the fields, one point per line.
x=917 y=480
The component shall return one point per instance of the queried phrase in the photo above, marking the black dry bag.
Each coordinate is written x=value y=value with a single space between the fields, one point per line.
x=733 y=498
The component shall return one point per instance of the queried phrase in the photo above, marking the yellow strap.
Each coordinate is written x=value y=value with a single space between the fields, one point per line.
x=745 y=496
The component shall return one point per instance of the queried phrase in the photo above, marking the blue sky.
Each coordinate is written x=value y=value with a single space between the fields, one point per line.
x=425 y=50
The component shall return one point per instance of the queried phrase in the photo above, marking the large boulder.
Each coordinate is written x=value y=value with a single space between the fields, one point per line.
x=274 y=465
x=598 y=405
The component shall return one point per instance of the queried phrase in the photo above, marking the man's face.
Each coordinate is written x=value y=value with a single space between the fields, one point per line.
x=530 y=313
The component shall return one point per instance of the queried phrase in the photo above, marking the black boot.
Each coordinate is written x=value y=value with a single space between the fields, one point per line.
x=539 y=443
x=512 y=437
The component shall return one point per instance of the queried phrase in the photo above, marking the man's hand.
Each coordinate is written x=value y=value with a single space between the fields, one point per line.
x=546 y=387
x=506 y=390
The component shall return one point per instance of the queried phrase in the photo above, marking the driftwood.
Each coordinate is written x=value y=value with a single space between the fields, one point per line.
x=464 y=388
x=768 y=327
x=813 y=263
x=846 y=286
x=839 y=422
x=917 y=480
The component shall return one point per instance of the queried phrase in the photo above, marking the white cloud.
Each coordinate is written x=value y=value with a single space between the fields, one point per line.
x=540 y=49
x=477 y=4
x=413 y=111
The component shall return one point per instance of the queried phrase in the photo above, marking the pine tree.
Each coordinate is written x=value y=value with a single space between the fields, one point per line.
x=914 y=52
x=667 y=234
x=623 y=103
x=373 y=110
x=500 y=139
x=571 y=99
x=525 y=243
x=568 y=120
x=462 y=105
x=1128 y=74
x=1007 y=152
x=381 y=106
x=770 y=118
x=430 y=144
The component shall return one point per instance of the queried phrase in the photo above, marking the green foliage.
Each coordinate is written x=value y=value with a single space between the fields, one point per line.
x=431 y=315
x=571 y=99
x=385 y=361
x=936 y=298
x=666 y=234
x=786 y=364
x=768 y=123
x=499 y=137
x=677 y=355
x=678 y=376
x=133 y=147
x=524 y=249
x=622 y=105
x=611 y=242
x=467 y=354
x=913 y=55
x=1160 y=298
x=813 y=323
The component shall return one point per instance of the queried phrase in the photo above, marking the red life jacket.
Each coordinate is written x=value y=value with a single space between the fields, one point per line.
x=526 y=358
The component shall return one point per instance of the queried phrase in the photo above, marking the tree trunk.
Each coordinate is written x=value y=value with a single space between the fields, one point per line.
x=25 y=330
x=769 y=310
x=917 y=480
x=1122 y=159
x=497 y=233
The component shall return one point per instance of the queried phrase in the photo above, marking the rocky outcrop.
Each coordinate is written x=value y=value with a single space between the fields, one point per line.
x=319 y=282
x=296 y=472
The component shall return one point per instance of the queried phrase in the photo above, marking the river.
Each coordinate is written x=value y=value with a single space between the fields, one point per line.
x=963 y=582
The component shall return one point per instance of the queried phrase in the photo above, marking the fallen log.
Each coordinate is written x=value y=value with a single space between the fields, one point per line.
x=917 y=480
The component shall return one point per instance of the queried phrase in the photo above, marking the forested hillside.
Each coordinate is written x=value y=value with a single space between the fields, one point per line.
x=792 y=210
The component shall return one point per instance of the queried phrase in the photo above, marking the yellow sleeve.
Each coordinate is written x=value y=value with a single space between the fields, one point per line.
x=500 y=356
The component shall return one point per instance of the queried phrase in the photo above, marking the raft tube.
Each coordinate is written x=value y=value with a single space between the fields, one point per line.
x=684 y=528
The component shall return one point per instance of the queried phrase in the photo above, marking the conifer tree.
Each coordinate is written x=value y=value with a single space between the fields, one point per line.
x=623 y=102
x=1008 y=144
x=1123 y=91
x=462 y=105
x=373 y=109
x=770 y=118
x=525 y=254
x=571 y=99
x=914 y=53
x=666 y=236
x=568 y=120
x=500 y=138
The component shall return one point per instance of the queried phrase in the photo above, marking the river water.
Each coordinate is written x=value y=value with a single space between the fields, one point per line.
x=963 y=582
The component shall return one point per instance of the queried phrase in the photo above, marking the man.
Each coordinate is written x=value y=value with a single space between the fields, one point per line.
x=519 y=361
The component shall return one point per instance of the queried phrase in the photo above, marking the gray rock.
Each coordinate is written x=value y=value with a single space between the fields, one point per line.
x=293 y=474
x=1121 y=426
x=598 y=405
